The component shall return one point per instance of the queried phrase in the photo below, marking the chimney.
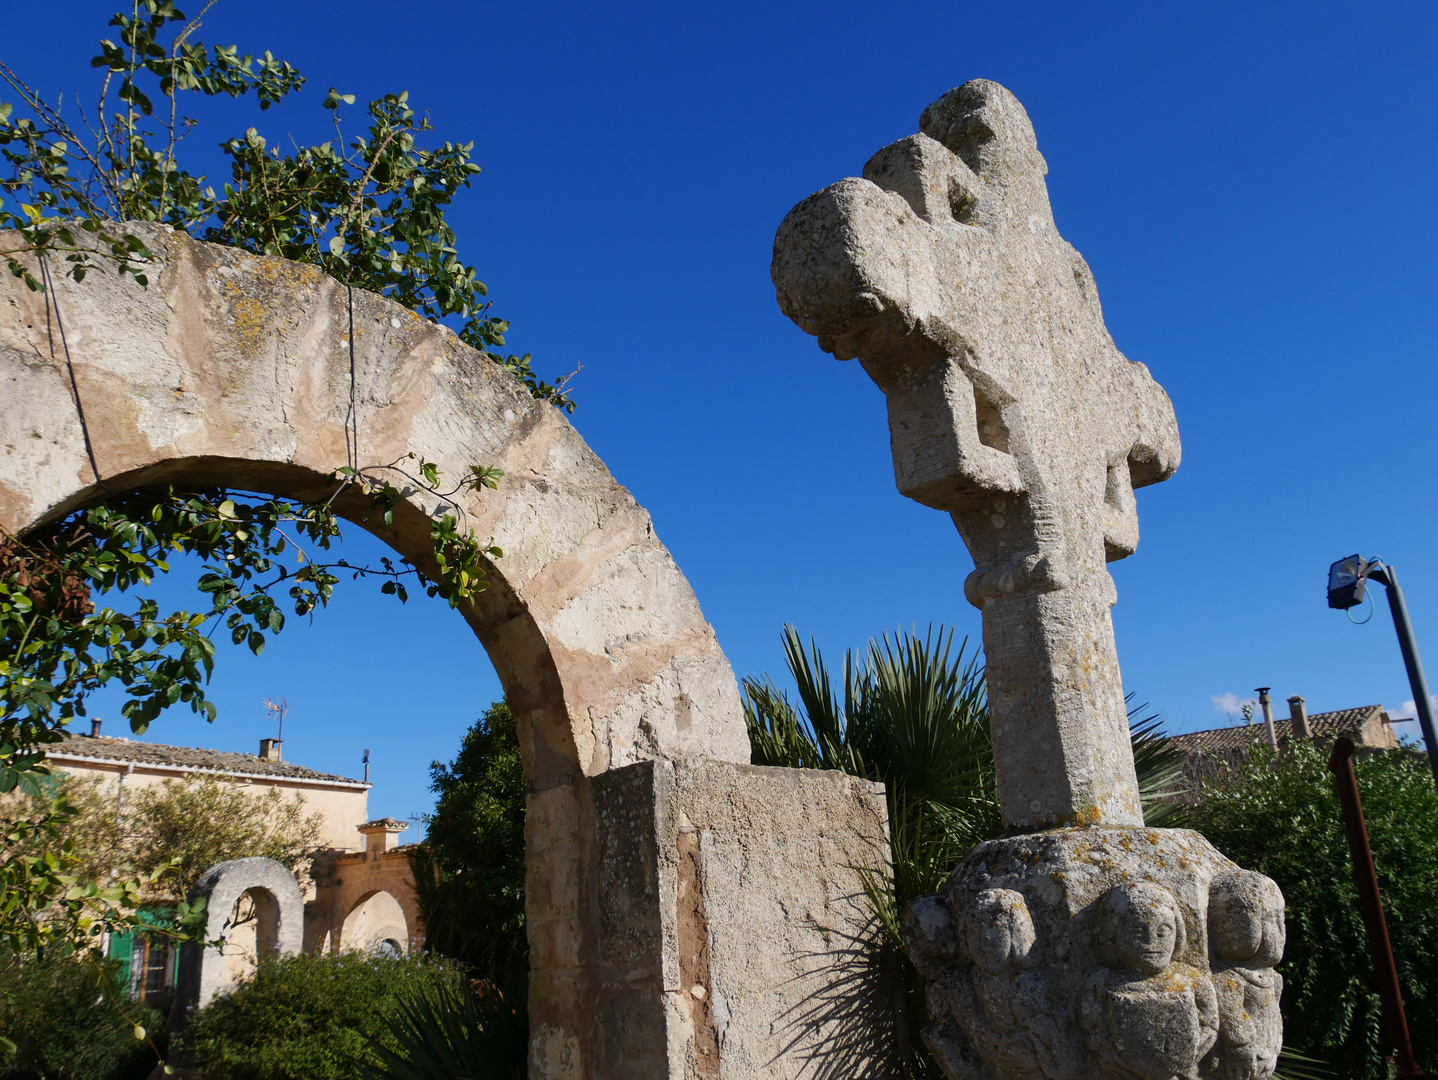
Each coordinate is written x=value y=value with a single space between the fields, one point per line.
x=1267 y=705
x=1298 y=715
x=95 y=727
x=269 y=749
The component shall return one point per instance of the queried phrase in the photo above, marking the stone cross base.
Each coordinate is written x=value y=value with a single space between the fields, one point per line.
x=1131 y=953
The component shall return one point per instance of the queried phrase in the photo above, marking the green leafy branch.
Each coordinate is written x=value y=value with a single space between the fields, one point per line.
x=57 y=647
x=370 y=211
x=457 y=555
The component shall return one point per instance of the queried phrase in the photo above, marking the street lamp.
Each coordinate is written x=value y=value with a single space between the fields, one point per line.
x=1346 y=586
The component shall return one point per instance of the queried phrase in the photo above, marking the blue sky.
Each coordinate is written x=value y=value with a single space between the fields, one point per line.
x=1253 y=186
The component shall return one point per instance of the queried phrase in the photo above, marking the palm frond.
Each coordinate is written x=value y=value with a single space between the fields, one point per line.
x=455 y=1032
x=1295 y=1066
x=1158 y=764
x=827 y=718
x=777 y=735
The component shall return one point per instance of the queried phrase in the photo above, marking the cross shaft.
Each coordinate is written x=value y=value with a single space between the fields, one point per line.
x=1010 y=408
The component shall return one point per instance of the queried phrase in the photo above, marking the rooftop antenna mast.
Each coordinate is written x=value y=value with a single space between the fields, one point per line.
x=277 y=711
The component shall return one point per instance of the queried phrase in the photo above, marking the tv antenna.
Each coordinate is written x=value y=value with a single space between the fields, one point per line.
x=276 y=711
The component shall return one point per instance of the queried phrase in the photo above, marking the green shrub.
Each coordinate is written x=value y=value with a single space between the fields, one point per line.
x=68 y=1022
x=1280 y=816
x=311 y=1017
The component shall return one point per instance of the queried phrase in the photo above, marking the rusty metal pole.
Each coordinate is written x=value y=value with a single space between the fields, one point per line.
x=1365 y=874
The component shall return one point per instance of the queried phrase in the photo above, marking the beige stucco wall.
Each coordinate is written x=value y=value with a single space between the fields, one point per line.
x=344 y=809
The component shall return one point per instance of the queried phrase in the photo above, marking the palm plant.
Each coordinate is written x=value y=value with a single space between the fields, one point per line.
x=454 y=1031
x=913 y=715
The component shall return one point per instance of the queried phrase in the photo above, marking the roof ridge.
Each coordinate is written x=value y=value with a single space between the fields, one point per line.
x=189 y=758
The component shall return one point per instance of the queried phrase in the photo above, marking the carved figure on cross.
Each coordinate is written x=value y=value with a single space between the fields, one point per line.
x=1010 y=408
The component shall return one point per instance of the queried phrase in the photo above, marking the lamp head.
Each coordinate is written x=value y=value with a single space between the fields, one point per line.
x=1346 y=584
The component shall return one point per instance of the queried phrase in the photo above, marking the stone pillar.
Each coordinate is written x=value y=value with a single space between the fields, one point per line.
x=379 y=835
x=735 y=937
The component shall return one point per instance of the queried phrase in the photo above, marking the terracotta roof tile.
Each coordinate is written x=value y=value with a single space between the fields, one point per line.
x=187 y=757
x=387 y=823
x=1328 y=725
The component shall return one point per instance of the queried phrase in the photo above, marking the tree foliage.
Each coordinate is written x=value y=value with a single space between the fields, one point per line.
x=369 y=209
x=68 y=1020
x=469 y=873
x=199 y=822
x=1280 y=815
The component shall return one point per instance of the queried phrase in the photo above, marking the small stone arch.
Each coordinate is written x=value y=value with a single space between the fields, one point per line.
x=375 y=917
x=279 y=930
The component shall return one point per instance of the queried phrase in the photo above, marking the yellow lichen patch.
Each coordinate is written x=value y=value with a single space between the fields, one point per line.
x=247 y=315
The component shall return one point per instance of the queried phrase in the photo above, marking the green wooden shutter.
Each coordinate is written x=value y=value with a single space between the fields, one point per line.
x=122 y=948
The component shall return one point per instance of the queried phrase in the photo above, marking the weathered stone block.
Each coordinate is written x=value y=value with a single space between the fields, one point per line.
x=737 y=938
x=1137 y=954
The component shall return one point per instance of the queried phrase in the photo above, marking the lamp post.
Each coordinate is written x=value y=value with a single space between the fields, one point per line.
x=1346 y=586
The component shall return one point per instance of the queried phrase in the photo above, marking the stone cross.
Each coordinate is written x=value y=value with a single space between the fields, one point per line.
x=1010 y=408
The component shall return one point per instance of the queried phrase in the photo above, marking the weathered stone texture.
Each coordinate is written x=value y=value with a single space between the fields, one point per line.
x=1138 y=954
x=1010 y=408
x=1081 y=950
x=763 y=960
x=232 y=368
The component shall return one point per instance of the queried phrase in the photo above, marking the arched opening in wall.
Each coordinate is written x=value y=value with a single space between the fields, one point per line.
x=377 y=657
x=348 y=676
x=376 y=923
x=365 y=677
x=251 y=933
x=258 y=375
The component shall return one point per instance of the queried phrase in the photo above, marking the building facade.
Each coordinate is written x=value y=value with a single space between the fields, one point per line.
x=362 y=893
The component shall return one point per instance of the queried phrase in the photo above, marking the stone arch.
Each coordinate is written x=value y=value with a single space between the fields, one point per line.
x=232 y=369
x=374 y=918
x=251 y=931
x=279 y=930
